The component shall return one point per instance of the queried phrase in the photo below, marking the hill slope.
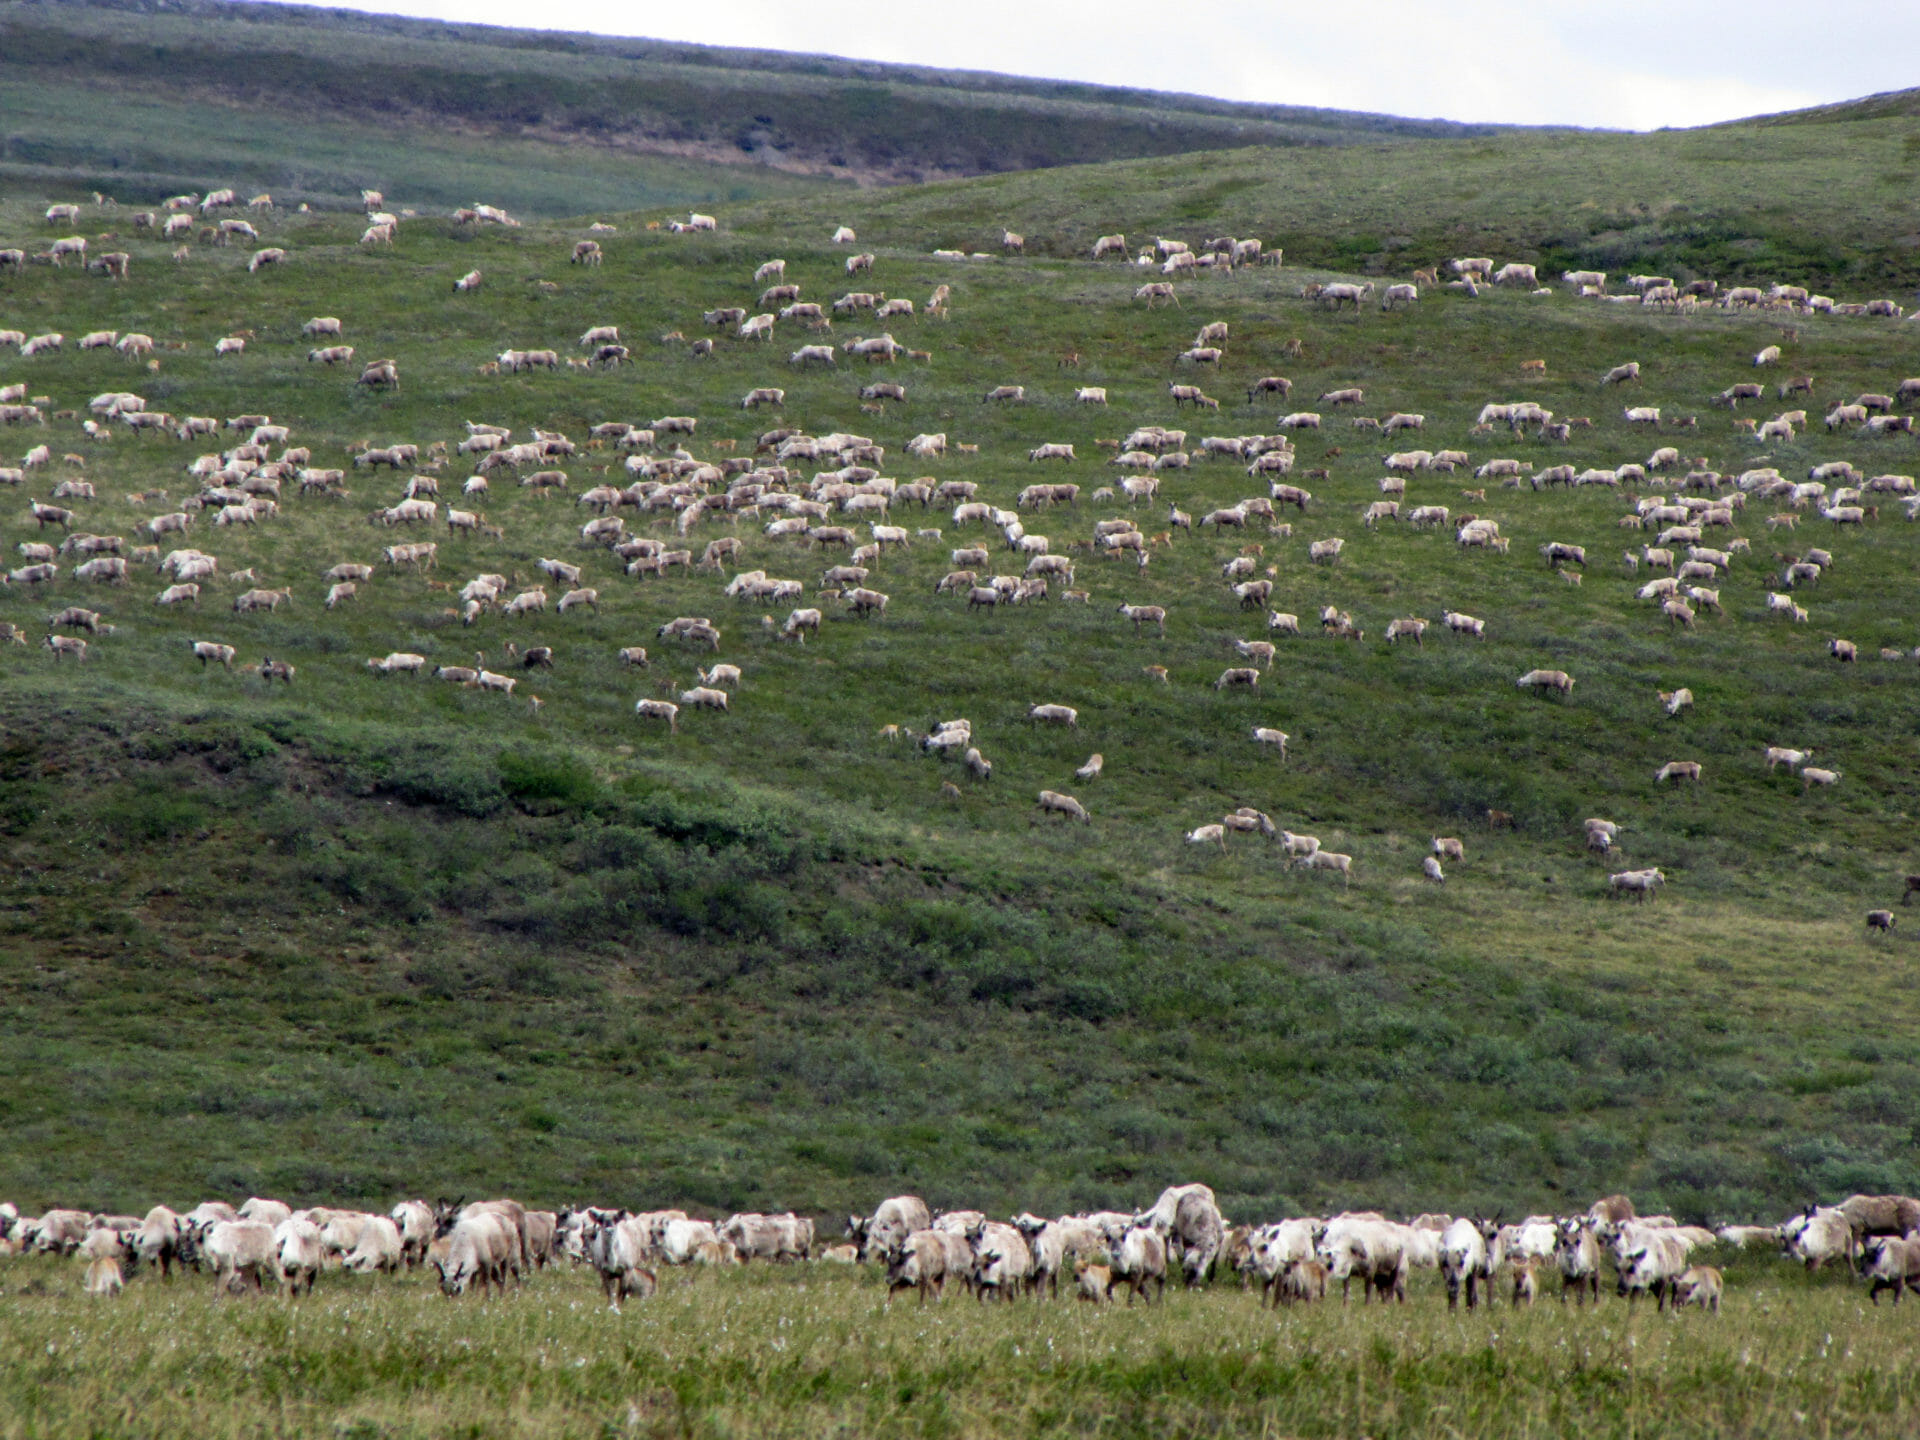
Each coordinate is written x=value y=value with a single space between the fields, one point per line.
x=1867 y=107
x=143 y=100
x=354 y=936
x=204 y=93
x=1753 y=201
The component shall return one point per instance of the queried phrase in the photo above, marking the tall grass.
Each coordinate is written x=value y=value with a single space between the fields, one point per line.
x=806 y=1352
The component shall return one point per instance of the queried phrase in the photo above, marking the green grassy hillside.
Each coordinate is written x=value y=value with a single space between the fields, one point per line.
x=142 y=100
x=1753 y=200
x=357 y=936
x=142 y=145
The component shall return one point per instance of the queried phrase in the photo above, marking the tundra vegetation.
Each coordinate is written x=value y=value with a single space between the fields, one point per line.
x=801 y=1351
x=338 y=934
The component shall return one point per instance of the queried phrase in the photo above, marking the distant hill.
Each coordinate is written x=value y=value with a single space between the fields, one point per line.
x=1887 y=104
x=144 y=98
x=181 y=90
x=1824 y=199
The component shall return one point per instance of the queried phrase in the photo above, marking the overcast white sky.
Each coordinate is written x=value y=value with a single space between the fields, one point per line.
x=1626 y=64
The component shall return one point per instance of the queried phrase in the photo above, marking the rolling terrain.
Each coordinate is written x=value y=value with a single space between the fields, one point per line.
x=144 y=99
x=1744 y=202
x=359 y=936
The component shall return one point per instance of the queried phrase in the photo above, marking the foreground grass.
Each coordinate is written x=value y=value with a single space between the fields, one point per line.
x=812 y=1351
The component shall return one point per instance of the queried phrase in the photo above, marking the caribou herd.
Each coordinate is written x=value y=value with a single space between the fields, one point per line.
x=821 y=507
x=827 y=496
x=493 y=1246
